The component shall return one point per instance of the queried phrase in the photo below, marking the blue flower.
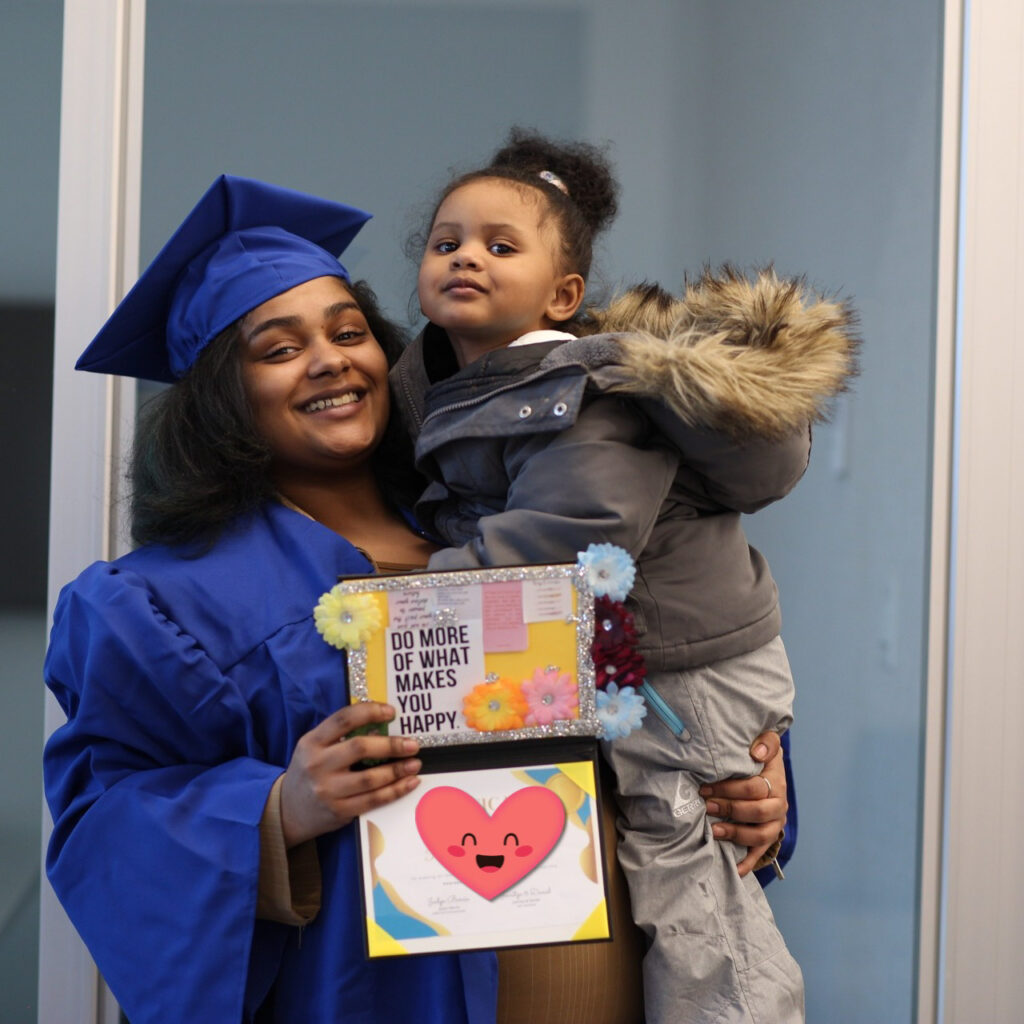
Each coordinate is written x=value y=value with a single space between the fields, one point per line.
x=619 y=711
x=610 y=570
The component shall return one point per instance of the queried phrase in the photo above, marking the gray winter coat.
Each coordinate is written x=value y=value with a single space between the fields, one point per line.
x=535 y=452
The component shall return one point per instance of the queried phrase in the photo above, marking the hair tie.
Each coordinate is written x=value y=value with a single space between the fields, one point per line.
x=553 y=179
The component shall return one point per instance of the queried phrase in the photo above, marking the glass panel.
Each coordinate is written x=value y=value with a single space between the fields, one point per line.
x=803 y=134
x=30 y=48
x=829 y=167
x=354 y=101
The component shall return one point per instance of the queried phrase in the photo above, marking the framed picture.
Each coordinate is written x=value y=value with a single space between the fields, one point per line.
x=488 y=857
x=476 y=656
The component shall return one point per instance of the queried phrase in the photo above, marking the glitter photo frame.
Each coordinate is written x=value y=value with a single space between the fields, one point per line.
x=478 y=656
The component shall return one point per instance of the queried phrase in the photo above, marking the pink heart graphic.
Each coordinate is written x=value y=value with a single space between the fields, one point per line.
x=490 y=852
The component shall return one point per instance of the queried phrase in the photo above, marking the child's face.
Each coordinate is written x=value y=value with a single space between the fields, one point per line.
x=490 y=270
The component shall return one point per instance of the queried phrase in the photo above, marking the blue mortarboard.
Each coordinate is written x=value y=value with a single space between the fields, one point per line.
x=243 y=243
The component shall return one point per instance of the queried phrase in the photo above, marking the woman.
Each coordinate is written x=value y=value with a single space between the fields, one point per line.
x=199 y=789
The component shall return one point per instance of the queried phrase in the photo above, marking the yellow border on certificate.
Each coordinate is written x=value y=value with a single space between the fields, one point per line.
x=595 y=926
x=380 y=943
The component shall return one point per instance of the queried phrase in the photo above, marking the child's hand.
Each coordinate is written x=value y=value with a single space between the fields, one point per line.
x=753 y=809
x=322 y=790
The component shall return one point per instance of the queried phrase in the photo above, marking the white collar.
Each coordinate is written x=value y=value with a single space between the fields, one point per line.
x=533 y=337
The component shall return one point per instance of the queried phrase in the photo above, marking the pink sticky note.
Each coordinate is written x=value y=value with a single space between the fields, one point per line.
x=504 y=625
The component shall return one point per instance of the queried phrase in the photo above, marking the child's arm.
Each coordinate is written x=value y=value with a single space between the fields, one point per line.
x=740 y=475
x=719 y=409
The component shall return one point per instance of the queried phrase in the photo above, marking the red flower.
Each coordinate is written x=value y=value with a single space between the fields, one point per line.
x=613 y=626
x=621 y=665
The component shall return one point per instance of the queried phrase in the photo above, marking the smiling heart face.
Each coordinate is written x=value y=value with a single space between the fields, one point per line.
x=490 y=852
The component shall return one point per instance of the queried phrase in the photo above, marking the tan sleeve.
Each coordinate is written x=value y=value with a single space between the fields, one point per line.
x=289 y=882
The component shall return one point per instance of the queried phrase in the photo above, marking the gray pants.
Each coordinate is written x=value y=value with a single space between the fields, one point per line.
x=715 y=953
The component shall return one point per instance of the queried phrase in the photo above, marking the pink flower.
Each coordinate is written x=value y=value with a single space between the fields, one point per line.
x=551 y=696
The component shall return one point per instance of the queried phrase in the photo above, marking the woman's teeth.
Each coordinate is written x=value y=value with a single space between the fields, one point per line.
x=327 y=403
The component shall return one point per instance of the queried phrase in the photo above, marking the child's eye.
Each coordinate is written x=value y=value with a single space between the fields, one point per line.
x=445 y=247
x=501 y=248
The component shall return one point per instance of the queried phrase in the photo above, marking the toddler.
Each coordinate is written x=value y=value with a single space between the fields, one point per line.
x=537 y=443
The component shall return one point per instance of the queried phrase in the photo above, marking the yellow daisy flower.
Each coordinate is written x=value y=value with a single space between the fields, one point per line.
x=347 y=621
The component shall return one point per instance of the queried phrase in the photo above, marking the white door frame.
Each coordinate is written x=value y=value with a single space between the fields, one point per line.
x=970 y=927
x=97 y=256
x=972 y=921
x=934 y=810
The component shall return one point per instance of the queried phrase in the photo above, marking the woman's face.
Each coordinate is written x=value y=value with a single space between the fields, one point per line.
x=316 y=378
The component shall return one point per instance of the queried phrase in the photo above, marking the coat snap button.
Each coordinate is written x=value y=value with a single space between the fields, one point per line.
x=561 y=409
x=524 y=412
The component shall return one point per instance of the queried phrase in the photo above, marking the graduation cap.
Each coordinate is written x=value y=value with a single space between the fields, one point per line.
x=243 y=243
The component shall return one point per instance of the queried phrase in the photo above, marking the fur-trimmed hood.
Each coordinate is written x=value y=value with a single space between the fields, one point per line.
x=757 y=357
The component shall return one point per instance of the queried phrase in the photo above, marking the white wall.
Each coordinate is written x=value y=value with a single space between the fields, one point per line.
x=984 y=790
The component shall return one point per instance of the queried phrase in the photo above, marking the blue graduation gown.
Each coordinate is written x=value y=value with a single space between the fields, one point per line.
x=187 y=682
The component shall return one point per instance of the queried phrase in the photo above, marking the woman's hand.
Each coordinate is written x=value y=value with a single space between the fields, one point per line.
x=321 y=792
x=754 y=813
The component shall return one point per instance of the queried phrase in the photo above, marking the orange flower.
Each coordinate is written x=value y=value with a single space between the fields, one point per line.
x=493 y=706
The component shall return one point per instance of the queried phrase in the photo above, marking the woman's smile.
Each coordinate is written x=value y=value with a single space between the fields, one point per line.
x=332 y=402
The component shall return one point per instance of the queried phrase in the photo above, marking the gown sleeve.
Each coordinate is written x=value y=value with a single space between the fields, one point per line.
x=742 y=476
x=156 y=787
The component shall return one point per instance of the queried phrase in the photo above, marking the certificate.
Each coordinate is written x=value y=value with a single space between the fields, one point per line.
x=485 y=858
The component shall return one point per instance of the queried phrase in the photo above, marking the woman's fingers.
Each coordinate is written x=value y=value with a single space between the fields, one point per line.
x=348 y=737
x=749 y=862
x=766 y=746
x=345 y=794
x=748 y=812
x=353 y=716
x=751 y=790
x=350 y=751
x=326 y=785
x=756 y=838
x=361 y=791
x=768 y=787
x=753 y=810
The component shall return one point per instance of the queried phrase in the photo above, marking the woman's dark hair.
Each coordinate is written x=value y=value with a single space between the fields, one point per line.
x=586 y=207
x=198 y=461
